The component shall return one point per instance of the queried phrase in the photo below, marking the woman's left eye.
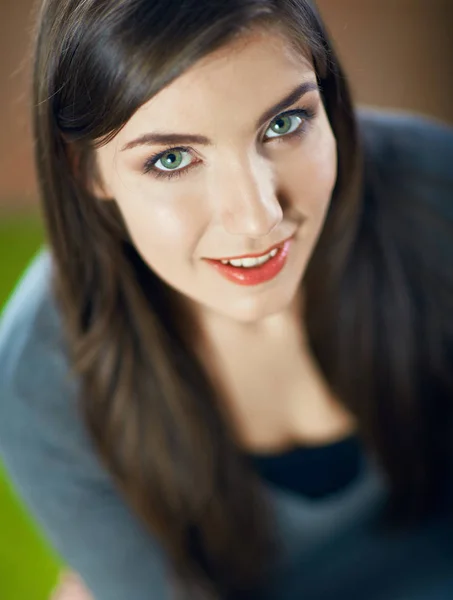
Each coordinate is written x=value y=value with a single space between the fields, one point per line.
x=286 y=124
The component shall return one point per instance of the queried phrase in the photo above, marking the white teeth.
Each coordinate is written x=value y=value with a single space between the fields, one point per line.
x=249 y=261
x=262 y=259
x=237 y=262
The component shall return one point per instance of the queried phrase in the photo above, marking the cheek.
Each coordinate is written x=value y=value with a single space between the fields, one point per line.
x=323 y=168
x=162 y=223
x=313 y=173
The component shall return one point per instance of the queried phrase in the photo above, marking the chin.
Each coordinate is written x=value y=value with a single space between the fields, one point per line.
x=254 y=310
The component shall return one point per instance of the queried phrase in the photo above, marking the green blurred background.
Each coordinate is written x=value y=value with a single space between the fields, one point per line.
x=28 y=566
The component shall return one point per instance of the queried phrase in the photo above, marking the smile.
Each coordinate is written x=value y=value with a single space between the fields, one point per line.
x=267 y=252
x=250 y=261
x=253 y=269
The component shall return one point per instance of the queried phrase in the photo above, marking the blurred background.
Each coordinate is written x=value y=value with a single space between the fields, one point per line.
x=397 y=54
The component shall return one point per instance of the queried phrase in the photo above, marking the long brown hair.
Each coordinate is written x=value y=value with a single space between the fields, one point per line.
x=147 y=401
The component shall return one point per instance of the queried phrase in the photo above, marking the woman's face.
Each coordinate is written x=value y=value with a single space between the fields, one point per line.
x=238 y=176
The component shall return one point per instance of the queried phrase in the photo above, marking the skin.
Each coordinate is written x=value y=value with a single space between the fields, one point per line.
x=253 y=188
x=71 y=587
x=246 y=193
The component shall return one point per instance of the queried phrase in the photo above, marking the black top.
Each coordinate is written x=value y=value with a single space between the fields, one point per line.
x=313 y=471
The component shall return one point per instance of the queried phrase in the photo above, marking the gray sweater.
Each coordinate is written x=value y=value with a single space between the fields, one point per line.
x=332 y=548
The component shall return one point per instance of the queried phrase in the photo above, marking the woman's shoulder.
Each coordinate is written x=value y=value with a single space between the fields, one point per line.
x=37 y=392
x=408 y=206
x=30 y=328
x=407 y=143
x=49 y=456
x=408 y=182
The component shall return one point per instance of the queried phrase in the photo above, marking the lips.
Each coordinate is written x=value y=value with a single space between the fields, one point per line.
x=253 y=255
x=257 y=274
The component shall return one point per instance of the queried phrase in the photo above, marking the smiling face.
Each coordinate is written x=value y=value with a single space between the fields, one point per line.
x=246 y=176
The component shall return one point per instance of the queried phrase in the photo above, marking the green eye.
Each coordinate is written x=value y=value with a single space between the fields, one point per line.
x=171 y=159
x=286 y=124
x=171 y=163
x=282 y=125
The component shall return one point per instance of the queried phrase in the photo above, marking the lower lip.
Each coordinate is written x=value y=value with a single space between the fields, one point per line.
x=254 y=275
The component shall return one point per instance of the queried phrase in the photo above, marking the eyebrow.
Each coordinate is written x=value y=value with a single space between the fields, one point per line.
x=149 y=139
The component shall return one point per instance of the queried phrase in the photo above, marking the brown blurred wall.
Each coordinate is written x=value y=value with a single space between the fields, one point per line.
x=397 y=53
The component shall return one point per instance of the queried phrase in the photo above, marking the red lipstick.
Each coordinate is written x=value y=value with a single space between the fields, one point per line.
x=256 y=274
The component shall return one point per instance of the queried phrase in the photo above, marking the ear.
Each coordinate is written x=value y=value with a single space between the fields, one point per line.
x=100 y=190
x=91 y=177
x=96 y=184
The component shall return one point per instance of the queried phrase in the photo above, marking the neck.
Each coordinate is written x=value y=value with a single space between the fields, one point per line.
x=220 y=331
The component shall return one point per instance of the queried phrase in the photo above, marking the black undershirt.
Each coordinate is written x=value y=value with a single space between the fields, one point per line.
x=313 y=471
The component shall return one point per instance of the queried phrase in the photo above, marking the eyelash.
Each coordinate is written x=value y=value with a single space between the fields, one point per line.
x=307 y=115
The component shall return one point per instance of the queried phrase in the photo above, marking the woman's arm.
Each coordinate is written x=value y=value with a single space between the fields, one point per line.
x=71 y=587
x=51 y=461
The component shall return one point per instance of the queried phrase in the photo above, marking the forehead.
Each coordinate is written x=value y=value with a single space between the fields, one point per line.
x=262 y=63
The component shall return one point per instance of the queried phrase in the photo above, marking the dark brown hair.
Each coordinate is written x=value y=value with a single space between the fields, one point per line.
x=148 y=403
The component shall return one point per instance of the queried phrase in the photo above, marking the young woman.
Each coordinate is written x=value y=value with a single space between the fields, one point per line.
x=229 y=375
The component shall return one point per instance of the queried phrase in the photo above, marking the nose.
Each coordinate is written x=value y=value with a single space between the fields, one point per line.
x=247 y=202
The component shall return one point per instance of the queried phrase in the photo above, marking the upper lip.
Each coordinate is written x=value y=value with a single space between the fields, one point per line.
x=255 y=255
